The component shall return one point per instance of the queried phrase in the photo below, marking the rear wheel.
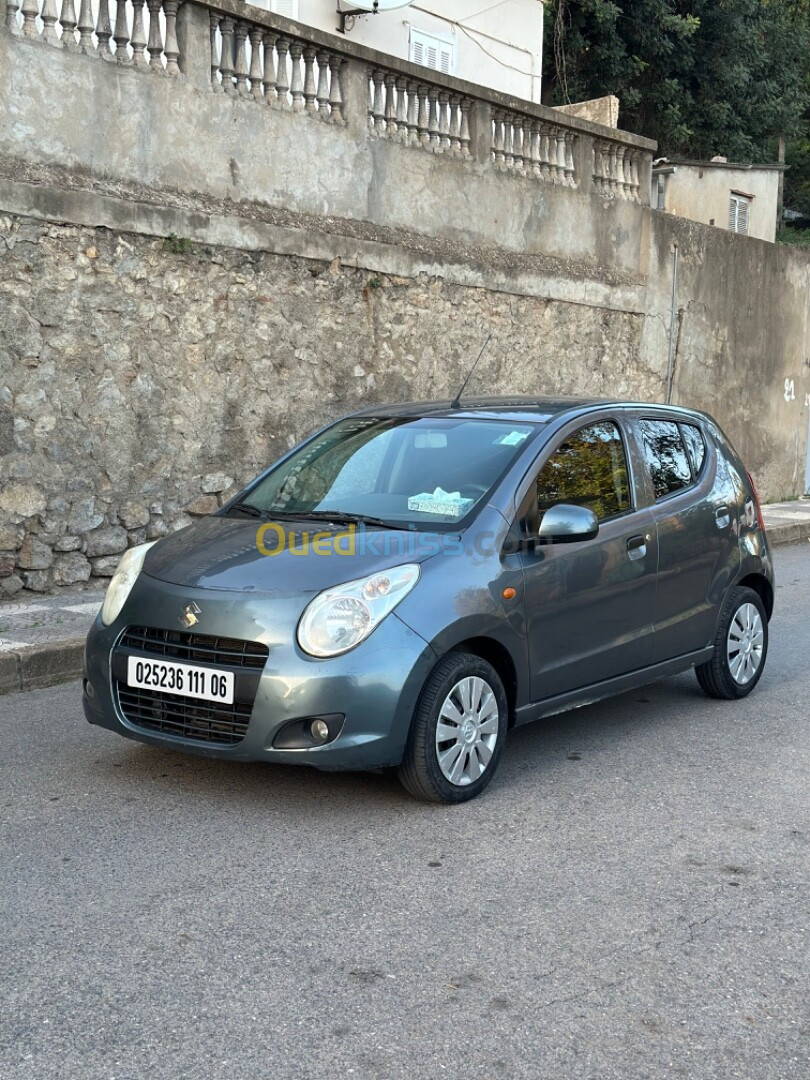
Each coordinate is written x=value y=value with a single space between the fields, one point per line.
x=740 y=647
x=458 y=731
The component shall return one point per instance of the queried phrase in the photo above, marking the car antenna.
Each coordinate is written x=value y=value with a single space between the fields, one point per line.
x=456 y=402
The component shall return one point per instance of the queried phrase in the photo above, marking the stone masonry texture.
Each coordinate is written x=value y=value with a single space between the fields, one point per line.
x=140 y=385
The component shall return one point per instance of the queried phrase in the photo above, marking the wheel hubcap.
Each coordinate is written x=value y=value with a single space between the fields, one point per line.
x=746 y=638
x=467 y=731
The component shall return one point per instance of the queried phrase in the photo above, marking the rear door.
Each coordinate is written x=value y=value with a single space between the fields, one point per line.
x=589 y=605
x=693 y=502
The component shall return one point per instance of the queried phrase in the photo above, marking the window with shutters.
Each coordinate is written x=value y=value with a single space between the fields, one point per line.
x=432 y=52
x=287 y=8
x=738 y=212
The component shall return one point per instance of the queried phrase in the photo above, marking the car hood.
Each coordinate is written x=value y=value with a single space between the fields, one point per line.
x=224 y=553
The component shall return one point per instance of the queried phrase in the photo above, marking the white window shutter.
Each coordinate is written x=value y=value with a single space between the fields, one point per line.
x=287 y=8
x=742 y=217
x=432 y=52
x=738 y=213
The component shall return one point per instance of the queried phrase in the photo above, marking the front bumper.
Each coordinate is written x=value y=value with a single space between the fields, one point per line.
x=375 y=686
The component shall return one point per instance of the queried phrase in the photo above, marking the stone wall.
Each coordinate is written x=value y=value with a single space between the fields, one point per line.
x=142 y=378
x=191 y=279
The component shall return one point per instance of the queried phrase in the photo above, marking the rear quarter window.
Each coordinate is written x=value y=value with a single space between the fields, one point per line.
x=666 y=456
x=695 y=447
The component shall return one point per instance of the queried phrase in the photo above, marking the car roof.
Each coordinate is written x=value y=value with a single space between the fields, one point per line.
x=526 y=409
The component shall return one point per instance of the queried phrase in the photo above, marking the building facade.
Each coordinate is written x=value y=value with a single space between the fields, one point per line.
x=496 y=44
x=740 y=198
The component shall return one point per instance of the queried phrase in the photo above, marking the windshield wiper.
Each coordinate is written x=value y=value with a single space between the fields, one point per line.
x=247 y=508
x=336 y=517
x=340 y=517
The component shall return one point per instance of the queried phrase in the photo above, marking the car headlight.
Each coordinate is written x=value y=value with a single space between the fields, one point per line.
x=122 y=581
x=340 y=618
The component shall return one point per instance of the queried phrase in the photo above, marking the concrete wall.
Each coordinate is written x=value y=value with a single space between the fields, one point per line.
x=496 y=44
x=742 y=341
x=190 y=282
x=701 y=191
x=74 y=110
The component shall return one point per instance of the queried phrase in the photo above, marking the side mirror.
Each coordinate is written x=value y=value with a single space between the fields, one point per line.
x=566 y=524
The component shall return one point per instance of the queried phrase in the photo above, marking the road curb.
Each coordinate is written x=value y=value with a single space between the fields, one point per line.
x=794 y=533
x=37 y=666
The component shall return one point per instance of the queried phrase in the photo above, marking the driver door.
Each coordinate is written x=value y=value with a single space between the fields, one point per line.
x=589 y=604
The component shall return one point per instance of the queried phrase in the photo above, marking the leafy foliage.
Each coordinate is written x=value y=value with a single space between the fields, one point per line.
x=797 y=178
x=796 y=237
x=703 y=77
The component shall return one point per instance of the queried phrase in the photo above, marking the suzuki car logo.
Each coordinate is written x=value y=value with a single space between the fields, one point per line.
x=189 y=616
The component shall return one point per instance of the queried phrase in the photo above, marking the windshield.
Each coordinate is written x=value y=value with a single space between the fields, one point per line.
x=403 y=471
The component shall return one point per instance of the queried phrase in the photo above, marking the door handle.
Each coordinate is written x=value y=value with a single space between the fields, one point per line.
x=637 y=546
x=722 y=516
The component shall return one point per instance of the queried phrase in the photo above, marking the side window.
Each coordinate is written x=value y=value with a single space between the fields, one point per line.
x=695 y=447
x=666 y=456
x=588 y=469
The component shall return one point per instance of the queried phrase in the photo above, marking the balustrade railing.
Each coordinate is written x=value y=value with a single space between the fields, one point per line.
x=261 y=57
x=528 y=146
x=417 y=113
x=616 y=171
x=250 y=60
x=124 y=31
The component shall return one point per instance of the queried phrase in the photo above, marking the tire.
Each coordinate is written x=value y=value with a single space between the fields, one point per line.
x=473 y=716
x=734 y=671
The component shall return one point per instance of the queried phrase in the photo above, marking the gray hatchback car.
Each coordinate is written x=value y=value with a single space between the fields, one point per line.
x=412 y=581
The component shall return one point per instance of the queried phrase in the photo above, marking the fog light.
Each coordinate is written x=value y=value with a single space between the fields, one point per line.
x=309 y=732
x=319 y=730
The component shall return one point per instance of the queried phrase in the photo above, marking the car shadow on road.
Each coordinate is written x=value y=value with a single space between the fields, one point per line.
x=619 y=725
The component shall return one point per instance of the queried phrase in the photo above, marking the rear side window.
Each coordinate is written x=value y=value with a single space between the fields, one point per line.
x=588 y=469
x=695 y=447
x=666 y=456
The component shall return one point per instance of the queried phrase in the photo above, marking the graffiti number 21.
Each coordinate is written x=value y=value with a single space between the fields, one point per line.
x=790 y=390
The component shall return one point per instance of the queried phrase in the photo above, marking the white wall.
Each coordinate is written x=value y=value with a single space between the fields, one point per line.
x=701 y=191
x=497 y=43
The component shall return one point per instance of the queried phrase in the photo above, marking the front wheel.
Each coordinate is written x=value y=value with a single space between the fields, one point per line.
x=458 y=731
x=740 y=647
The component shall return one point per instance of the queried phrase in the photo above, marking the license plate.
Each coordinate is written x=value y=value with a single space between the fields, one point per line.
x=186 y=680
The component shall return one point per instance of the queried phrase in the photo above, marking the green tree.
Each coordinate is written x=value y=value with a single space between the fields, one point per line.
x=703 y=77
x=749 y=84
x=640 y=52
x=797 y=178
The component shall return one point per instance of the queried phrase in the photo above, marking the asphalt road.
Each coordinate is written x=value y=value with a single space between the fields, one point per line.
x=629 y=899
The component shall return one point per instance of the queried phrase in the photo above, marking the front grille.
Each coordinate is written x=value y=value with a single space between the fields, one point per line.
x=190 y=718
x=201 y=648
x=187 y=717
